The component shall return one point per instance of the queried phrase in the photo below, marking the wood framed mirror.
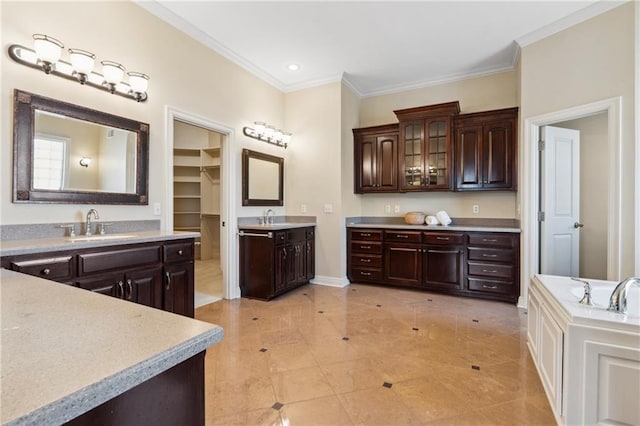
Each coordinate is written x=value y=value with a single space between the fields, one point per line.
x=69 y=154
x=262 y=179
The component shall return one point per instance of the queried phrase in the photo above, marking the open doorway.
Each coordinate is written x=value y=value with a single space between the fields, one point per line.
x=196 y=202
x=531 y=189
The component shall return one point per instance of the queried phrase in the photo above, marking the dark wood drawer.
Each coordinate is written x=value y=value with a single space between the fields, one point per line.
x=402 y=236
x=490 y=286
x=311 y=233
x=366 y=247
x=491 y=270
x=443 y=238
x=299 y=234
x=489 y=254
x=367 y=235
x=502 y=240
x=367 y=274
x=52 y=268
x=279 y=237
x=372 y=261
x=178 y=252
x=108 y=260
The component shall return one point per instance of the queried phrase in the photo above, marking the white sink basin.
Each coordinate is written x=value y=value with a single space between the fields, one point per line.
x=102 y=237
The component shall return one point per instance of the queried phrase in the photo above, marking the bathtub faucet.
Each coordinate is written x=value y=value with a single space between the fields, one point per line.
x=618 y=300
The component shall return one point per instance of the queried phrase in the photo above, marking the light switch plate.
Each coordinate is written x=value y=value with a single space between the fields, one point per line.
x=396 y=208
x=476 y=209
x=328 y=208
x=157 y=210
x=303 y=208
x=387 y=208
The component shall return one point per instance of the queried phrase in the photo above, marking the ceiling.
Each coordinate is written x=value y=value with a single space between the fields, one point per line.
x=375 y=47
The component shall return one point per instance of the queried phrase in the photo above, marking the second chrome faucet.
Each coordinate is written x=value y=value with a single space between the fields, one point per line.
x=91 y=212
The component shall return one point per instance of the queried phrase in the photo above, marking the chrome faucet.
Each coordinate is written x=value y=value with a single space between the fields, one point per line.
x=586 y=299
x=268 y=217
x=93 y=212
x=618 y=300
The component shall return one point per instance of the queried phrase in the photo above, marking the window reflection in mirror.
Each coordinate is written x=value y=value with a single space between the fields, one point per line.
x=61 y=142
x=262 y=179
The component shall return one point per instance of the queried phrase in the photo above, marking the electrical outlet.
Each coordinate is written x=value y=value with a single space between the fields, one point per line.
x=387 y=208
x=157 y=210
x=476 y=209
x=396 y=208
x=328 y=208
x=303 y=208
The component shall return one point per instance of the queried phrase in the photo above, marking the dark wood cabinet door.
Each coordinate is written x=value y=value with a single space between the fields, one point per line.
x=280 y=264
x=310 y=271
x=497 y=156
x=109 y=284
x=144 y=287
x=437 y=171
x=469 y=163
x=366 y=155
x=387 y=163
x=412 y=155
x=443 y=267
x=402 y=264
x=178 y=289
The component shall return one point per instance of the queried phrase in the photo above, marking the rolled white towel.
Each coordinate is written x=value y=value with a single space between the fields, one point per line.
x=431 y=220
x=443 y=218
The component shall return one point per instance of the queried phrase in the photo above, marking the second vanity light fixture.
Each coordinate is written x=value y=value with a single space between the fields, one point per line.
x=46 y=55
x=265 y=133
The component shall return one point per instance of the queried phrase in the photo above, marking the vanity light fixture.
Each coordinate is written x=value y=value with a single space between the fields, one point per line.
x=46 y=55
x=85 y=161
x=265 y=133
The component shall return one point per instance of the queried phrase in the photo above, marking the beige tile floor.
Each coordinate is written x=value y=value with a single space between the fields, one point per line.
x=365 y=355
x=208 y=281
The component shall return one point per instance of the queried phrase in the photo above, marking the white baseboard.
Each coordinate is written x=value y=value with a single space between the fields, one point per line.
x=330 y=281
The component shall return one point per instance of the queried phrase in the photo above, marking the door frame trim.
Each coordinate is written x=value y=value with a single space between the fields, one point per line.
x=531 y=191
x=228 y=202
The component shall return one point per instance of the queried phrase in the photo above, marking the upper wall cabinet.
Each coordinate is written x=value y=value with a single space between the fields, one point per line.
x=425 y=150
x=376 y=159
x=485 y=150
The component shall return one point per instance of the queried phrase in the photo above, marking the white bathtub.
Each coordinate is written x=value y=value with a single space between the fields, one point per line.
x=588 y=358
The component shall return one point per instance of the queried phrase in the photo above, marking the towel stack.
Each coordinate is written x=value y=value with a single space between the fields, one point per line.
x=443 y=218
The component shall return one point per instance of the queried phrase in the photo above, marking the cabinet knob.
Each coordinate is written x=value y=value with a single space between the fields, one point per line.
x=46 y=271
x=180 y=252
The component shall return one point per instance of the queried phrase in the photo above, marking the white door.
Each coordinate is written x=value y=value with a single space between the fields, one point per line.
x=560 y=201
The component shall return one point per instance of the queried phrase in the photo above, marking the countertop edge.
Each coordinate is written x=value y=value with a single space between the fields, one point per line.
x=59 y=244
x=450 y=228
x=85 y=399
x=276 y=226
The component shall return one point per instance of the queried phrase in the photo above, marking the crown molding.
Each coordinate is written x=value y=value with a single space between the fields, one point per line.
x=575 y=18
x=158 y=10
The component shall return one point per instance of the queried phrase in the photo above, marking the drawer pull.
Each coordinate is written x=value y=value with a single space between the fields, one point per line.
x=365 y=273
x=489 y=255
x=180 y=252
x=362 y=234
x=121 y=288
x=492 y=271
x=365 y=247
x=490 y=287
x=401 y=236
x=442 y=238
x=46 y=271
x=365 y=260
x=129 y=290
x=489 y=240
x=168 y=276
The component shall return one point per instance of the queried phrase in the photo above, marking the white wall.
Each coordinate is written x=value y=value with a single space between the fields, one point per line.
x=184 y=74
x=589 y=62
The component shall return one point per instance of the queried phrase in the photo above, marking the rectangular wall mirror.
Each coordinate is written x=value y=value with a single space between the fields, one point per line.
x=262 y=179
x=64 y=153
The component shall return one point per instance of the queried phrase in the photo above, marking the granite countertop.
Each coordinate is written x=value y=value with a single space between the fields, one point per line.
x=276 y=226
x=67 y=350
x=42 y=245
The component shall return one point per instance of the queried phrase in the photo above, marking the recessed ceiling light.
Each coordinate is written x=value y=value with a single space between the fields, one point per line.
x=293 y=67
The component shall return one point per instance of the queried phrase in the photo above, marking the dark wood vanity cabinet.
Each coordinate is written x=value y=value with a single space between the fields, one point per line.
x=425 y=149
x=376 y=159
x=475 y=264
x=274 y=262
x=151 y=274
x=486 y=150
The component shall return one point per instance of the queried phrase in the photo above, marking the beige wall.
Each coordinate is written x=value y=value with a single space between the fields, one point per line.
x=474 y=94
x=588 y=62
x=594 y=190
x=314 y=173
x=184 y=74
